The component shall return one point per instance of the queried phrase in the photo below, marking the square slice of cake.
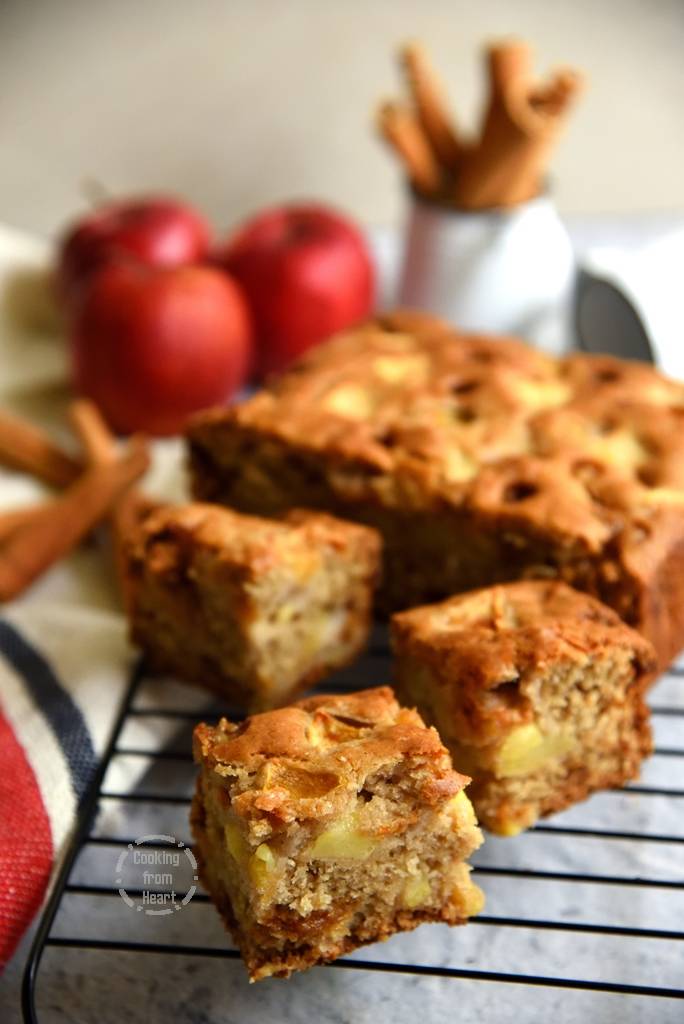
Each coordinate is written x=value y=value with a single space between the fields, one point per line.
x=480 y=460
x=329 y=824
x=536 y=689
x=255 y=609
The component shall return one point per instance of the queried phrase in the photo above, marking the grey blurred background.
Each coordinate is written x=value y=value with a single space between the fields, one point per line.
x=240 y=103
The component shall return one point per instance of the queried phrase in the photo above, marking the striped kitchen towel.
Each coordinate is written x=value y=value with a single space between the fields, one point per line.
x=63 y=671
x=64 y=658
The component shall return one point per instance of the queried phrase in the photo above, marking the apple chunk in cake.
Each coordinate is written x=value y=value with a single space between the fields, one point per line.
x=536 y=689
x=329 y=824
x=250 y=607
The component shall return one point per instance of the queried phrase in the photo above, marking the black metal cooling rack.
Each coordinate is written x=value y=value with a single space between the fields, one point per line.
x=582 y=913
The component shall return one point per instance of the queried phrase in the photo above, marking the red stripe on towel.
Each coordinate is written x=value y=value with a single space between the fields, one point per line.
x=25 y=843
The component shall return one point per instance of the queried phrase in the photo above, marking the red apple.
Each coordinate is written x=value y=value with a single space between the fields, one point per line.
x=159 y=232
x=306 y=271
x=151 y=346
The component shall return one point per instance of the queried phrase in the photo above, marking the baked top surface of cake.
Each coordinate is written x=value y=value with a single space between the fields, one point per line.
x=409 y=413
x=492 y=636
x=248 y=542
x=302 y=761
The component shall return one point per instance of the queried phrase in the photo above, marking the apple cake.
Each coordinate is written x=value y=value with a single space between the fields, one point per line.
x=252 y=608
x=537 y=690
x=479 y=459
x=330 y=824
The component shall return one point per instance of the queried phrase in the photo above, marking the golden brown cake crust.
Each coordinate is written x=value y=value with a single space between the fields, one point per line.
x=331 y=739
x=436 y=410
x=490 y=636
x=571 y=467
x=246 y=545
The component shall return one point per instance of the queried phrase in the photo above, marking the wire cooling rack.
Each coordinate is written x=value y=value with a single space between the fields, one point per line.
x=583 y=918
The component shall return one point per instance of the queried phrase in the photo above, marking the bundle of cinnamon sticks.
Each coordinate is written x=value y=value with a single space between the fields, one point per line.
x=35 y=538
x=506 y=164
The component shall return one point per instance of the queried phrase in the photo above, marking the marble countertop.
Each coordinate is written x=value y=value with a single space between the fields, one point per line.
x=562 y=904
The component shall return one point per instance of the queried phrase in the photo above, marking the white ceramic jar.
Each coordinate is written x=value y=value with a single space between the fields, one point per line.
x=508 y=271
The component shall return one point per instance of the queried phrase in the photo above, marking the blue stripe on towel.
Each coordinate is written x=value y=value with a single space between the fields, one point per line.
x=62 y=714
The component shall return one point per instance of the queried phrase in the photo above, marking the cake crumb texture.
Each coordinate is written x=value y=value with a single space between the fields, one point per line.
x=253 y=608
x=538 y=691
x=329 y=824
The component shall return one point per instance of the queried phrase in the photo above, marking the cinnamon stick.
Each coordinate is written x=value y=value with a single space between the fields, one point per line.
x=93 y=432
x=33 y=546
x=431 y=107
x=506 y=164
x=522 y=123
x=101 y=450
x=400 y=127
x=9 y=521
x=131 y=507
x=25 y=447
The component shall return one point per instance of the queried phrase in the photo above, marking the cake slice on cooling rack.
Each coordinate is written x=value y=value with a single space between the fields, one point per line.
x=536 y=689
x=252 y=608
x=479 y=459
x=329 y=824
